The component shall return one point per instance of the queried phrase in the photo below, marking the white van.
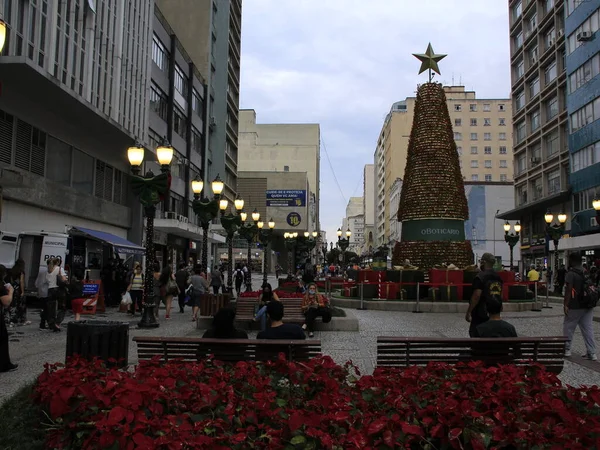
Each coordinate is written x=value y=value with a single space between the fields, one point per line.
x=35 y=248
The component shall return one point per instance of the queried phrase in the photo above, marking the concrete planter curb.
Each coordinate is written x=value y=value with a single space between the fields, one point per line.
x=348 y=323
x=425 y=306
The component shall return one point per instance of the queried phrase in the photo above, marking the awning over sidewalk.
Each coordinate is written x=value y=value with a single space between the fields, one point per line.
x=121 y=245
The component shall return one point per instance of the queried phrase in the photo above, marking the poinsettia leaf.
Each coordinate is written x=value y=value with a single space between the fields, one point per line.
x=297 y=440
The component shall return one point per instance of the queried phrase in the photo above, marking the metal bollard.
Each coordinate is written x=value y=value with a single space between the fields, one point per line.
x=547 y=306
x=418 y=306
x=362 y=297
x=535 y=299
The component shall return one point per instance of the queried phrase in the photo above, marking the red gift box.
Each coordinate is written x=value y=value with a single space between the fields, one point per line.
x=390 y=290
x=440 y=276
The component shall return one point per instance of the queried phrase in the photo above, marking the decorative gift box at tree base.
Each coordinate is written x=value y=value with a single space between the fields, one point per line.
x=430 y=254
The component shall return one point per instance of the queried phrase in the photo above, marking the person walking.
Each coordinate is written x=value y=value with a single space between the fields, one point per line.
x=17 y=280
x=238 y=277
x=54 y=278
x=197 y=288
x=136 y=288
x=577 y=313
x=486 y=284
x=6 y=296
x=168 y=288
x=216 y=280
x=181 y=278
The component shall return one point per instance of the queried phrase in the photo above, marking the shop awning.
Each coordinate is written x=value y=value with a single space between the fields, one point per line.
x=121 y=245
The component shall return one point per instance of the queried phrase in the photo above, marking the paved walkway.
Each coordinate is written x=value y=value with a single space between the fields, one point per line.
x=31 y=347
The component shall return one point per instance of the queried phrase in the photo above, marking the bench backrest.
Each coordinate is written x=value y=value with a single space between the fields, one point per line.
x=408 y=351
x=245 y=306
x=196 y=349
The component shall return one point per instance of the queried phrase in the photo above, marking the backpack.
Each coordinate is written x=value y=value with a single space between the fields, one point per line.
x=588 y=297
x=239 y=275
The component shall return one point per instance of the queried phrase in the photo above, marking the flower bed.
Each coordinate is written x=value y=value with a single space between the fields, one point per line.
x=319 y=404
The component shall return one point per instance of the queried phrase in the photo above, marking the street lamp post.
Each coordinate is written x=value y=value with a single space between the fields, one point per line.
x=206 y=210
x=248 y=231
x=265 y=237
x=231 y=223
x=511 y=238
x=555 y=232
x=150 y=189
x=324 y=251
x=290 y=245
x=344 y=243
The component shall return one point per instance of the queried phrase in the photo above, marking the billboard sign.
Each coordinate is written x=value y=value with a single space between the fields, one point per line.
x=286 y=198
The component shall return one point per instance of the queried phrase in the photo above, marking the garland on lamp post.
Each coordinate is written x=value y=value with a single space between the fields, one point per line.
x=151 y=189
x=265 y=237
x=249 y=231
x=555 y=232
x=231 y=223
x=512 y=238
x=206 y=210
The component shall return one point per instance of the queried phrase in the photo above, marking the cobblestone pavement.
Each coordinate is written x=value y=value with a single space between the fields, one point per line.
x=31 y=347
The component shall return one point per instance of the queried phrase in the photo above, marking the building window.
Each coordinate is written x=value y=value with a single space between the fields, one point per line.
x=158 y=101
x=502 y=150
x=521 y=163
x=501 y=107
x=196 y=103
x=538 y=189
x=534 y=119
x=534 y=87
x=551 y=108
x=585 y=73
x=474 y=164
x=457 y=122
x=475 y=177
x=550 y=73
x=518 y=41
x=58 y=161
x=487 y=136
x=589 y=25
x=503 y=177
x=487 y=122
x=522 y=195
x=550 y=38
x=501 y=136
x=521 y=132
x=533 y=55
x=487 y=107
x=473 y=136
x=457 y=136
x=160 y=55
x=520 y=100
x=473 y=122
x=457 y=107
x=179 y=125
x=519 y=69
x=516 y=11
x=474 y=150
x=585 y=115
x=181 y=82
x=586 y=157
x=473 y=107
x=487 y=150
x=488 y=163
x=502 y=121
x=503 y=164
x=553 y=182
x=196 y=141
x=583 y=200
x=83 y=172
x=488 y=177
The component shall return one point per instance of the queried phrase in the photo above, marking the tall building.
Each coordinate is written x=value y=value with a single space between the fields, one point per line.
x=482 y=135
x=355 y=222
x=283 y=148
x=540 y=128
x=75 y=83
x=583 y=107
x=395 y=224
x=210 y=30
x=368 y=207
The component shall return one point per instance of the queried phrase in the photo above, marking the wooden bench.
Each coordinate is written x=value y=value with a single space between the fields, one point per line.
x=419 y=351
x=211 y=303
x=292 y=310
x=196 y=349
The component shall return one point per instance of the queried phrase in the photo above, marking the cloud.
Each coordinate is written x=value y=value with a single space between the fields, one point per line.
x=342 y=63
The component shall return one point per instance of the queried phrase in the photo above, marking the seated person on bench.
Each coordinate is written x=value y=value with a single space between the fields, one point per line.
x=495 y=327
x=223 y=326
x=278 y=329
x=266 y=296
x=313 y=306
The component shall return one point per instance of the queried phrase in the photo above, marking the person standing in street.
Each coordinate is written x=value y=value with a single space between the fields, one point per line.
x=576 y=312
x=216 y=280
x=6 y=297
x=486 y=285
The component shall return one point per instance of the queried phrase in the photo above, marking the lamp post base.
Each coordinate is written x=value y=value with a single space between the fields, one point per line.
x=148 y=318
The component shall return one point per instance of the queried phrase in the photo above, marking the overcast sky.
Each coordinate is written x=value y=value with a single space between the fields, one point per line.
x=342 y=63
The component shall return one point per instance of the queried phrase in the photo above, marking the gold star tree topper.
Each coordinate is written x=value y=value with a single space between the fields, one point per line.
x=429 y=61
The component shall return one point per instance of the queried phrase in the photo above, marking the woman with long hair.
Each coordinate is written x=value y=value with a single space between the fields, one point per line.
x=6 y=296
x=16 y=277
x=313 y=306
x=168 y=288
x=266 y=296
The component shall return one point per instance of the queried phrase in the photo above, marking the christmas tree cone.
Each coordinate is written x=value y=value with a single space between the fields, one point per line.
x=433 y=205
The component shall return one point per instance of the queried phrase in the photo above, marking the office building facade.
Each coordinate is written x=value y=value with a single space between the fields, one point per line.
x=210 y=31
x=483 y=138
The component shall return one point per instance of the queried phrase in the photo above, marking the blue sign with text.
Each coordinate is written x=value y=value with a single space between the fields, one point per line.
x=90 y=288
x=286 y=198
x=293 y=219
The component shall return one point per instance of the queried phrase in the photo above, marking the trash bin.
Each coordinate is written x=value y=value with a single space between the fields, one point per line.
x=99 y=338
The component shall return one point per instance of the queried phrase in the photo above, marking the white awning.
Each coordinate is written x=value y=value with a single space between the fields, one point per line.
x=579 y=243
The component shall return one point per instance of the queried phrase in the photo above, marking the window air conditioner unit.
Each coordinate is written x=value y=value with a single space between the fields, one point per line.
x=584 y=36
x=212 y=123
x=560 y=33
x=533 y=59
x=170 y=215
x=594 y=222
x=550 y=42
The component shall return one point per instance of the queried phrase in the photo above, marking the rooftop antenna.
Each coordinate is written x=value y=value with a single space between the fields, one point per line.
x=460 y=80
x=452 y=78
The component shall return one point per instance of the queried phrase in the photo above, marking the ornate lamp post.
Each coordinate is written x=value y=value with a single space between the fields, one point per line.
x=290 y=245
x=206 y=210
x=231 y=223
x=249 y=231
x=596 y=205
x=150 y=189
x=555 y=232
x=511 y=238
x=324 y=251
x=265 y=237
x=344 y=243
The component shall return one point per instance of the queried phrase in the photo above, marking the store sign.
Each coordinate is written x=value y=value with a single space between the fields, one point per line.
x=91 y=288
x=286 y=198
x=433 y=230
x=294 y=219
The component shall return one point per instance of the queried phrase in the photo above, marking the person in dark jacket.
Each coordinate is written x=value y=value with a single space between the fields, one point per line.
x=223 y=326
x=181 y=278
